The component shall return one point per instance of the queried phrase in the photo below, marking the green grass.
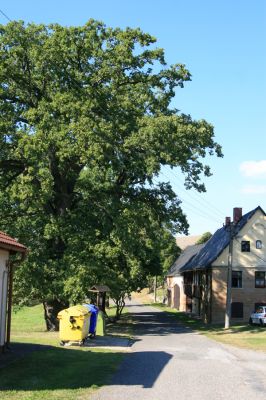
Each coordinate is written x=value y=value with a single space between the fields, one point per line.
x=27 y=319
x=123 y=327
x=38 y=368
x=240 y=335
x=57 y=373
x=28 y=326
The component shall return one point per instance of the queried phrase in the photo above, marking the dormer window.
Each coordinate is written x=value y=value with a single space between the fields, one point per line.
x=258 y=244
x=245 y=246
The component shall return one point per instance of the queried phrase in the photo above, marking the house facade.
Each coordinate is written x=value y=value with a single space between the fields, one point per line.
x=8 y=246
x=205 y=274
x=176 y=297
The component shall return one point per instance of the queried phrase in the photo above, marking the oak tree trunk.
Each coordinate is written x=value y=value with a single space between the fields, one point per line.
x=51 y=309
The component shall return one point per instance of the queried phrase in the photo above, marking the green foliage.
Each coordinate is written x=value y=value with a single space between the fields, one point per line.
x=86 y=126
x=169 y=251
x=204 y=238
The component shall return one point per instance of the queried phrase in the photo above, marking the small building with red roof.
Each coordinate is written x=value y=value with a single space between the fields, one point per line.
x=8 y=246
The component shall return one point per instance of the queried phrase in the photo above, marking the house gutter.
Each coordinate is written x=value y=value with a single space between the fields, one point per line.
x=2 y=313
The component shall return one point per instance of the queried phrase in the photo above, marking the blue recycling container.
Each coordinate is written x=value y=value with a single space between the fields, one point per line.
x=93 y=319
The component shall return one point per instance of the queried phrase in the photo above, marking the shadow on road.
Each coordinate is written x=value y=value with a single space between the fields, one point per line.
x=155 y=323
x=141 y=368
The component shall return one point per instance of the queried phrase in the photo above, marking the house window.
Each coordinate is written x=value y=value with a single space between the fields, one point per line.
x=259 y=279
x=237 y=310
x=236 y=279
x=245 y=245
x=258 y=244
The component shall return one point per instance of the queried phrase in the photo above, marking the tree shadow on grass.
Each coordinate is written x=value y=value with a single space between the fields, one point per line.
x=218 y=329
x=243 y=329
x=19 y=350
x=57 y=368
x=121 y=327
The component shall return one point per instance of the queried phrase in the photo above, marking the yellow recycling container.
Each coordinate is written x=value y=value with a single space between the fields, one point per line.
x=74 y=323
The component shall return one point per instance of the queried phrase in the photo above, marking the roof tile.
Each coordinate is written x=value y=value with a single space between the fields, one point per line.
x=186 y=255
x=11 y=243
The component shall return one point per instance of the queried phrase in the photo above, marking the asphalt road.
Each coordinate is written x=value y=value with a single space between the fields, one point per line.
x=167 y=361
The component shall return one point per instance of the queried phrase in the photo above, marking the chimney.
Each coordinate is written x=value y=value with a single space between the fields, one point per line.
x=237 y=214
x=227 y=221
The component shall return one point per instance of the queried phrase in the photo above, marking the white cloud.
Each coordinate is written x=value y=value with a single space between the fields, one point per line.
x=254 y=189
x=253 y=169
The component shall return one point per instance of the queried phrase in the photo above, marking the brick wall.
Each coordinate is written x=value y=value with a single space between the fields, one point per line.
x=218 y=295
x=248 y=294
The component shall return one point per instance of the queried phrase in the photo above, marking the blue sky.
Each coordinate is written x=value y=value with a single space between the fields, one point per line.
x=222 y=43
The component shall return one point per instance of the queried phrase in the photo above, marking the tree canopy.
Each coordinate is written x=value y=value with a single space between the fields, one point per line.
x=86 y=124
x=204 y=238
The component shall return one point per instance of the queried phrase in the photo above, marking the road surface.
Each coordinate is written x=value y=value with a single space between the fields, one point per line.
x=168 y=361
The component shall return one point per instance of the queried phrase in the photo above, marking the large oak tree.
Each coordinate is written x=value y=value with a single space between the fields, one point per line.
x=86 y=124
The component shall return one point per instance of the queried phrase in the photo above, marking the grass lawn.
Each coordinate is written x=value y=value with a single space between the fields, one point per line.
x=41 y=369
x=240 y=335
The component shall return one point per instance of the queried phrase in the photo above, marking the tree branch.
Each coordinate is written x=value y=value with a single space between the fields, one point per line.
x=12 y=165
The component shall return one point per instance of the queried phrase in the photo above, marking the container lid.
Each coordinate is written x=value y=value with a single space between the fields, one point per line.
x=75 y=311
x=91 y=307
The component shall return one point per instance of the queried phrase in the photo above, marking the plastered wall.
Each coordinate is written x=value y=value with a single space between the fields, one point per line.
x=3 y=294
x=178 y=298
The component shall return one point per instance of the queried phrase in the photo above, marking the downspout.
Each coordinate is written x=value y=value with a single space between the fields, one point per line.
x=2 y=315
x=11 y=265
x=210 y=294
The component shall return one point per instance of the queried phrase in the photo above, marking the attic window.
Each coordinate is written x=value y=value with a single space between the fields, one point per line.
x=258 y=244
x=245 y=246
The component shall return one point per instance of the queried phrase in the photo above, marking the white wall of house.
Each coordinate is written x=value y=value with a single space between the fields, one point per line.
x=178 y=298
x=255 y=229
x=4 y=255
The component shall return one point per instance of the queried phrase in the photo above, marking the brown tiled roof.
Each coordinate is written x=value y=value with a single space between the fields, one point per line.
x=7 y=242
x=184 y=241
x=186 y=255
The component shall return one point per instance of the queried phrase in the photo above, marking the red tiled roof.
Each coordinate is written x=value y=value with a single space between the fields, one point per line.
x=7 y=242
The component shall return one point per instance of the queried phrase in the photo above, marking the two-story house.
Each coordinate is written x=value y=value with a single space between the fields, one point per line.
x=205 y=274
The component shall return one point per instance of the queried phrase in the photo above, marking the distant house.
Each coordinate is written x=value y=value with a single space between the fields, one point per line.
x=184 y=241
x=8 y=246
x=205 y=274
x=175 y=286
